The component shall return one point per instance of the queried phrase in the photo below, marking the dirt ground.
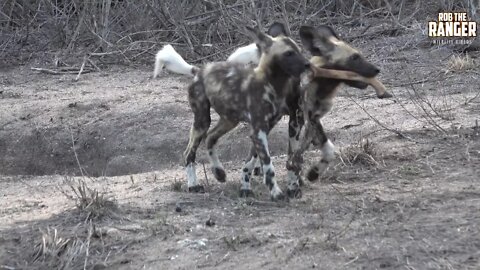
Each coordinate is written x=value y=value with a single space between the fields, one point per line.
x=402 y=194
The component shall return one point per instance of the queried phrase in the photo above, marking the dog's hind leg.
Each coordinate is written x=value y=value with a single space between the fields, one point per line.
x=201 y=110
x=196 y=136
x=223 y=126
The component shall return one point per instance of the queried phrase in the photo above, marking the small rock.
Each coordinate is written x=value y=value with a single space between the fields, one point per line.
x=99 y=266
x=112 y=231
x=178 y=209
x=210 y=223
x=195 y=244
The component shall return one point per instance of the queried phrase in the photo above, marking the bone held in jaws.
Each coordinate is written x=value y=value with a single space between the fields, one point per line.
x=351 y=76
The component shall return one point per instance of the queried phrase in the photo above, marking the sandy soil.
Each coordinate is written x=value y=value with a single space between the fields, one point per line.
x=402 y=194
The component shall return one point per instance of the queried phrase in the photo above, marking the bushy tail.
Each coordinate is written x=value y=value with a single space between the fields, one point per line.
x=167 y=57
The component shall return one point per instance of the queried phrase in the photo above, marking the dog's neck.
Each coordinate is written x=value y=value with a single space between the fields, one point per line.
x=272 y=73
x=263 y=68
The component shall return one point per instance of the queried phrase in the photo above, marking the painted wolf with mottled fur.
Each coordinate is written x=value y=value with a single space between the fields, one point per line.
x=240 y=94
x=328 y=51
x=307 y=105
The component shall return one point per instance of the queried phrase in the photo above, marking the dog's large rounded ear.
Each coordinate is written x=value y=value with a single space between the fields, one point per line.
x=277 y=29
x=307 y=36
x=326 y=32
x=262 y=40
x=317 y=40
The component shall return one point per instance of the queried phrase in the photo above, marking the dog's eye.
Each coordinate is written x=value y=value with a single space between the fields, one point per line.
x=289 y=53
x=355 y=57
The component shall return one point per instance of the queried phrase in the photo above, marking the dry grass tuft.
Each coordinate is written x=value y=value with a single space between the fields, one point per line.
x=160 y=225
x=51 y=248
x=363 y=153
x=235 y=242
x=94 y=203
x=176 y=186
x=460 y=63
x=54 y=251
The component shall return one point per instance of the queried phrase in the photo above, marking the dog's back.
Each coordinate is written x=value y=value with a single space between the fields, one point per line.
x=228 y=88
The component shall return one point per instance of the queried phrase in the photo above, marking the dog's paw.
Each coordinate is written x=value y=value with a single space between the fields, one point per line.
x=219 y=174
x=196 y=189
x=294 y=193
x=313 y=174
x=257 y=171
x=276 y=194
x=245 y=193
x=300 y=181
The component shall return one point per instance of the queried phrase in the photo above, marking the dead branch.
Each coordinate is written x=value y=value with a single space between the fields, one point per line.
x=61 y=71
x=81 y=68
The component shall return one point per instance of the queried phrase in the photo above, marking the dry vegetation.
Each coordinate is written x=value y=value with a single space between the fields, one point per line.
x=90 y=201
x=125 y=31
x=458 y=63
x=390 y=201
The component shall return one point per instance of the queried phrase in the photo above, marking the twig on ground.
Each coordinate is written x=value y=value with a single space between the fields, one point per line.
x=81 y=68
x=75 y=153
x=60 y=71
x=400 y=134
x=93 y=64
x=206 y=177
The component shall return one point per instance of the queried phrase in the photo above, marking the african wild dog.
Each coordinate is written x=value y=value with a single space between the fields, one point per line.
x=315 y=99
x=292 y=101
x=238 y=93
x=328 y=51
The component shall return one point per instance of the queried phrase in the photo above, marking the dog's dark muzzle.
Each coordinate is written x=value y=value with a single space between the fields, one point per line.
x=371 y=72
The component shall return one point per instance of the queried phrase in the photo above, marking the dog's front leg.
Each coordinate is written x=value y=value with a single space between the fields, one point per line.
x=295 y=159
x=327 y=148
x=253 y=163
x=295 y=125
x=259 y=139
x=246 y=190
x=257 y=170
